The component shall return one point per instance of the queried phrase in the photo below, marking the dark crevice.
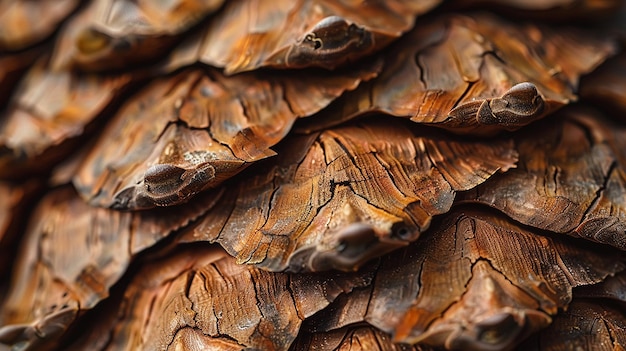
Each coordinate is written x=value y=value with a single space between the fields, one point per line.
x=610 y=333
x=259 y=303
x=217 y=319
x=466 y=92
x=599 y=194
x=390 y=174
x=267 y=210
x=292 y=295
x=555 y=178
x=473 y=206
x=494 y=54
x=484 y=259
x=421 y=68
x=434 y=44
x=586 y=129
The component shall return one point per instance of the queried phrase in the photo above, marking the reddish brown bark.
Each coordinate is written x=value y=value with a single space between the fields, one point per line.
x=475 y=74
x=352 y=339
x=199 y=298
x=477 y=282
x=189 y=132
x=70 y=257
x=570 y=179
x=250 y=34
x=496 y=230
x=347 y=195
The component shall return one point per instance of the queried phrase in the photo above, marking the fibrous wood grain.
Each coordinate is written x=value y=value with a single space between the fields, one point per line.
x=586 y=325
x=475 y=74
x=250 y=34
x=355 y=338
x=199 y=298
x=71 y=255
x=570 y=179
x=595 y=320
x=336 y=200
x=110 y=34
x=312 y=175
x=191 y=131
x=475 y=282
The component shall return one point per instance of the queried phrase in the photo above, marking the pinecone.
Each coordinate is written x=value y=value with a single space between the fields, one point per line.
x=312 y=175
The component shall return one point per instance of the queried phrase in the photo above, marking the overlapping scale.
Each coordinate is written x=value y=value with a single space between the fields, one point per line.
x=475 y=74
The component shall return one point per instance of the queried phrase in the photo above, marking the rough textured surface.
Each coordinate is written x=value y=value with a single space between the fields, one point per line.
x=312 y=175
x=304 y=33
x=475 y=74
x=199 y=298
x=586 y=325
x=51 y=285
x=570 y=179
x=354 y=338
x=347 y=195
x=191 y=131
x=477 y=282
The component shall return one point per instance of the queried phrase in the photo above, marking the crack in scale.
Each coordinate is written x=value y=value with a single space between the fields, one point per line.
x=599 y=193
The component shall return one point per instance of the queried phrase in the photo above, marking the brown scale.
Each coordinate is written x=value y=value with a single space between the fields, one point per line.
x=501 y=229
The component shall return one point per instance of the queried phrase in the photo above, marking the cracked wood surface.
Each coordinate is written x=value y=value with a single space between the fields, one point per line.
x=570 y=179
x=113 y=34
x=189 y=132
x=586 y=325
x=356 y=338
x=89 y=277
x=475 y=282
x=611 y=289
x=338 y=199
x=198 y=298
x=51 y=287
x=595 y=320
x=47 y=113
x=251 y=34
x=475 y=74
x=24 y=23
